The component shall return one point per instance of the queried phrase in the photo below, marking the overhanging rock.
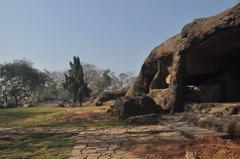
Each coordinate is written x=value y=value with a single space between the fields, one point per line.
x=200 y=64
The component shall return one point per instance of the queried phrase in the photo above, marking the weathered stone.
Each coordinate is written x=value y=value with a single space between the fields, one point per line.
x=94 y=155
x=160 y=96
x=189 y=155
x=104 y=157
x=103 y=145
x=149 y=119
x=120 y=152
x=80 y=147
x=233 y=110
x=203 y=57
x=99 y=149
x=127 y=107
x=107 y=153
x=216 y=109
x=237 y=129
x=89 y=151
x=106 y=96
x=76 y=152
x=113 y=147
x=122 y=139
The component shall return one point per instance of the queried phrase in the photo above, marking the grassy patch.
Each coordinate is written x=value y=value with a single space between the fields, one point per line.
x=46 y=116
x=43 y=145
x=37 y=146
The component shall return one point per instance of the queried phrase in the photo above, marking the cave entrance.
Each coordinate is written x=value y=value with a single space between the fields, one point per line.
x=212 y=79
x=212 y=69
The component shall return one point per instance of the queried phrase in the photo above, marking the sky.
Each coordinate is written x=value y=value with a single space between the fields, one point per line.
x=115 y=34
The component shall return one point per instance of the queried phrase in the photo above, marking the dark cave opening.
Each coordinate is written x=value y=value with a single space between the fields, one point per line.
x=210 y=79
x=212 y=68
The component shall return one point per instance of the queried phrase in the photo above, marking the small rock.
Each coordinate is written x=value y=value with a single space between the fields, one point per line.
x=233 y=111
x=189 y=155
x=61 y=105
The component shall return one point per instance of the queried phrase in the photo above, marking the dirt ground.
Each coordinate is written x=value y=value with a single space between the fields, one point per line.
x=206 y=147
x=174 y=146
x=92 y=133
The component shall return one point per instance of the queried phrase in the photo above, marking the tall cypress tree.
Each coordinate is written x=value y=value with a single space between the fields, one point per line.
x=74 y=82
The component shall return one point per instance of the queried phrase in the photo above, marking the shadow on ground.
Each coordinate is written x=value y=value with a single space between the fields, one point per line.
x=36 y=145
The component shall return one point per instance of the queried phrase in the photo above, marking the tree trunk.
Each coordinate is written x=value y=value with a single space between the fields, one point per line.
x=5 y=100
x=16 y=100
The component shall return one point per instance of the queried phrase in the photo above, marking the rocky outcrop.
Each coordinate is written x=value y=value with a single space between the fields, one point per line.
x=226 y=124
x=126 y=107
x=221 y=117
x=204 y=57
x=160 y=96
x=216 y=109
x=107 y=96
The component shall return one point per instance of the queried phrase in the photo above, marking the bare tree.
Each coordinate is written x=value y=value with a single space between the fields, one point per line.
x=91 y=73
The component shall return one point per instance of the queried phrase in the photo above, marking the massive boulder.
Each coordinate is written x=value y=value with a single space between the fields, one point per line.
x=200 y=64
x=107 y=96
x=126 y=107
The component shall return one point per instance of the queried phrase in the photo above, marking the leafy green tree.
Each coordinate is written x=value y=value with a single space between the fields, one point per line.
x=20 y=80
x=75 y=83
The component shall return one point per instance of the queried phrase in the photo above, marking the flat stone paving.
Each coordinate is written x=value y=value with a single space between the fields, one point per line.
x=115 y=143
x=112 y=143
x=98 y=143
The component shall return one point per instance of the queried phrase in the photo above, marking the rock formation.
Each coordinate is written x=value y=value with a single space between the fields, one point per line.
x=126 y=107
x=107 y=96
x=201 y=64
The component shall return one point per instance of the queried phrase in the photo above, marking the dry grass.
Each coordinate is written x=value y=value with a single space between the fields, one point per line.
x=43 y=145
x=37 y=146
x=46 y=116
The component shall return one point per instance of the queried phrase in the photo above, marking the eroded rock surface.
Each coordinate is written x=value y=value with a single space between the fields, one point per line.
x=127 y=107
x=149 y=119
x=200 y=64
x=107 y=96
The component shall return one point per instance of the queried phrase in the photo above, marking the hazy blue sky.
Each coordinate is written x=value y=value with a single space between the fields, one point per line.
x=116 y=34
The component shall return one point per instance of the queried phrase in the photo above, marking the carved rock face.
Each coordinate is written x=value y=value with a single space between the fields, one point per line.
x=204 y=56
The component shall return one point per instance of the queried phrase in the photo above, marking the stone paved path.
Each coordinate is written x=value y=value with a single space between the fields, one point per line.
x=98 y=143
x=116 y=143
x=113 y=143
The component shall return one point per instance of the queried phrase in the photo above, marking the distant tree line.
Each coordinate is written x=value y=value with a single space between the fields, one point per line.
x=21 y=83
